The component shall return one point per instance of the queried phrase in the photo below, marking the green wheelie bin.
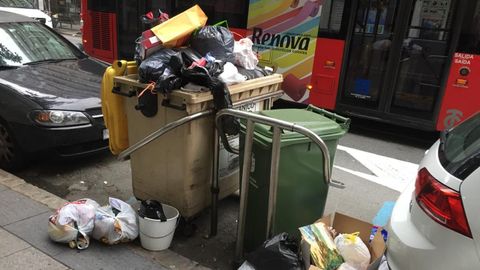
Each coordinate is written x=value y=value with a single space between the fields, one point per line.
x=301 y=191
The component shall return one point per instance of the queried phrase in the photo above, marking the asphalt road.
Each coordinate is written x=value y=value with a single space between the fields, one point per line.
x=374 y=161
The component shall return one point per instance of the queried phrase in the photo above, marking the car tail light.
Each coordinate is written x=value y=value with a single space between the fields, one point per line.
x=441 y=203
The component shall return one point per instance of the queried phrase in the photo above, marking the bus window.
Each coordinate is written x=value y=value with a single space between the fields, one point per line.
x=101 y=5
x=430 y=19
x=218 y=10
x=334 y=18
x=469 y=41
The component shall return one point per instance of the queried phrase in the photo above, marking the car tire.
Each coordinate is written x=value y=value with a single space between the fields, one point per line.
x=11 y=157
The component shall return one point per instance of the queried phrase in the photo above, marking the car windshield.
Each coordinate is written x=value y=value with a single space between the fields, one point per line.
x=22 y=43
x=16 y=3
x=460 y=148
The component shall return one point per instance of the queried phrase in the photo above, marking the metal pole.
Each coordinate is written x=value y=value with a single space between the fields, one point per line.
x=214 y=188
x=272 y=195
x=245 y=180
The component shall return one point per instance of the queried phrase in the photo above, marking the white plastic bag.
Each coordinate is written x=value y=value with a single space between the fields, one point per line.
x=230 y=74
x=73 y=223
x=346 y=266
x=383 y=264
x=353 y=250
x=112 y=229
x=244 y=55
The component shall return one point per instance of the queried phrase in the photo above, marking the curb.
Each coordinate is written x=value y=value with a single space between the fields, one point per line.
x=37 y=194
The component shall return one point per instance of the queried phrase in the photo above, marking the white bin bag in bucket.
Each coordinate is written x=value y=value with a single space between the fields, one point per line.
x=156 y=234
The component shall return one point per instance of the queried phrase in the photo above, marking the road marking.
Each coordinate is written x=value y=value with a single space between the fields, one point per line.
x=389 y=172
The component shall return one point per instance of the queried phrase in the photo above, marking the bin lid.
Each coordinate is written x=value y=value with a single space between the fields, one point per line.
x=319 y=124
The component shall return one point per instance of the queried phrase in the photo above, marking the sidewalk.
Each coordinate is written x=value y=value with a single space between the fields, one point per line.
x=24 y=244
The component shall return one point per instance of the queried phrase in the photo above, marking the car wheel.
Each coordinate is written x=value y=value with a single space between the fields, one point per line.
x=11 y=158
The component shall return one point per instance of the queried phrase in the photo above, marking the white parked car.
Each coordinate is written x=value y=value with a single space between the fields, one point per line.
x=436 y=222
x=25 y=8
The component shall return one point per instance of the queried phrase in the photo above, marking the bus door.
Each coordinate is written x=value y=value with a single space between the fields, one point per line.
x=397 y=60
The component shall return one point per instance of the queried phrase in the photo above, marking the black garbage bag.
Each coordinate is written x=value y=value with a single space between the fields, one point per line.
x=222 y=100
x=154 y=18
x=154 y=66
x=152 y=209
x=215 y=69
x=138 y=49
x=189 y=55
x=167 y=82
x=216 y=40
x=203 y=76
x=221 y=96
x=176 y=63
x=278 y=253
x=198 y=75
x=164 y=69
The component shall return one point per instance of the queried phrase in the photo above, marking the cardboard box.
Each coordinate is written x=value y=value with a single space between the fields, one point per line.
x=177 y=30
x=345 y=224
x=149 y=44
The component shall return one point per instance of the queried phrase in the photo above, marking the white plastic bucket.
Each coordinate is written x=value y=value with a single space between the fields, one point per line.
x=156 y=235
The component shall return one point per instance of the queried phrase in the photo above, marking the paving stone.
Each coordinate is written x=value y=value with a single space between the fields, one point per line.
x=166 y=257
x=10 y=180
x=50 y=200
x=31 y=259
x=15 y=207
x=37 y=194
x=34 y=230
x=100 y=256
x=10 y=244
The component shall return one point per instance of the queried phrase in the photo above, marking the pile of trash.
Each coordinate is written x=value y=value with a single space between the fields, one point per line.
x=184 y=53
x=77 y=221
x=356 y=245
x=330 y=250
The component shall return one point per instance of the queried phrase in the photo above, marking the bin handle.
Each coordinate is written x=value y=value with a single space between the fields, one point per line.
x=343 y=121
x=166 y=103
x=116 y=90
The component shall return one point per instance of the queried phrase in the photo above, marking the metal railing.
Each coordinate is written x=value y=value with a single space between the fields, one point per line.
x=278 y=126
x=156 y=134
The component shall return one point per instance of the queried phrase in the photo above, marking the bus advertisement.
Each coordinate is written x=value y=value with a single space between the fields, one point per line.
x=284 y=33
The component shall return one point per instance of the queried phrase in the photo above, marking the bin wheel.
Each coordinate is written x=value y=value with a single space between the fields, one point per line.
x=186 y=228
x=189 y=229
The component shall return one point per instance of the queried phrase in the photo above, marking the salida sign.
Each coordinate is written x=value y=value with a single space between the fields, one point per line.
x=280 y=41
x=463 y=58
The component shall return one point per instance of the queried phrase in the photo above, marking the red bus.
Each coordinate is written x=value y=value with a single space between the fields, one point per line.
x=411 y=63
